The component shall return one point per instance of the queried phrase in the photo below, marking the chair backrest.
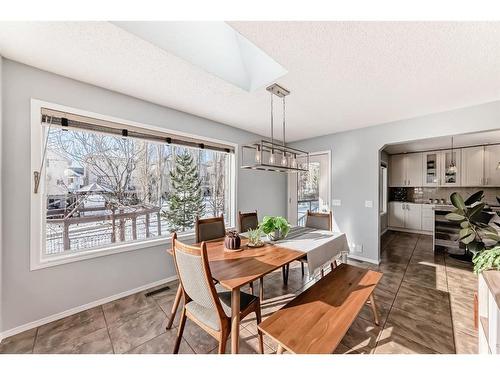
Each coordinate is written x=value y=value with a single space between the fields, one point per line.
x=210 y=229
x=319 y=220
x=247 y=221
x=194 y=274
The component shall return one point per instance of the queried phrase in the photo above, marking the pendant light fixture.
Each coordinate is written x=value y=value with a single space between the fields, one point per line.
x=272 y=155
x=452 y=167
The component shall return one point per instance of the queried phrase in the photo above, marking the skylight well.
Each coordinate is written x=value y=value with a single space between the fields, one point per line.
x=213 y=46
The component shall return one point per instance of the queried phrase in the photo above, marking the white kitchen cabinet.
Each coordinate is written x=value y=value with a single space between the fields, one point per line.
x=447 y=176
x=396 y=215
x=472 y=164
x=413 y=216
x=430 y=168
x=405 y=170
x=414 y=169
x=491 y=160
x=405 y=215
x=397 y=171
x=428 y=217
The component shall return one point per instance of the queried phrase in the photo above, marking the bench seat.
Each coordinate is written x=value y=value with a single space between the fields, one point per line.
x=316 y=320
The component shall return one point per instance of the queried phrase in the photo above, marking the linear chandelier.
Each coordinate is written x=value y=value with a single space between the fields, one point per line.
x=273 y=155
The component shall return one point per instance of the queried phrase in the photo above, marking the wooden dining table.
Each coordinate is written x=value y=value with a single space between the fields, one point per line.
x=235 y=269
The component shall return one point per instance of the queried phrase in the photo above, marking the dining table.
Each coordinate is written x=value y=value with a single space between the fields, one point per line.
x=236 y=269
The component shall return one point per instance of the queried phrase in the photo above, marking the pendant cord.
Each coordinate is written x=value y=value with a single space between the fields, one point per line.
x=272 y=125
x=283 y=121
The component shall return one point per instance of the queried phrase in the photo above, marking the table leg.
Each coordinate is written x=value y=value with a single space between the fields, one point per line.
x=177 y=300
x=235 y=320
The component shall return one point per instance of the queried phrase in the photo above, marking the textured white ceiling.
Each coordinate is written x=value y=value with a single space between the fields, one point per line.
x=343 y=75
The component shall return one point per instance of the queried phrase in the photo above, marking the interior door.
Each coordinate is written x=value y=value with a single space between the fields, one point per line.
x=309 y=190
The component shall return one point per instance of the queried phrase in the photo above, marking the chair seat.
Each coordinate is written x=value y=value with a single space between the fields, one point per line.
x=209 y=317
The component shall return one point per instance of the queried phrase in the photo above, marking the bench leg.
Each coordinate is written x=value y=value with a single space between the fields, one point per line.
x=251 y=287
x=333 y=265
x=302 y=266
x=374 y=309
x=261 y=289
x=280 y=350
x=285 y=269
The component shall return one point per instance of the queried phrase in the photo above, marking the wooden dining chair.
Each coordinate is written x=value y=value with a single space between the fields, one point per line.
x=318 y=220
x=205 y=303
x=247 y=221
x=209 y=229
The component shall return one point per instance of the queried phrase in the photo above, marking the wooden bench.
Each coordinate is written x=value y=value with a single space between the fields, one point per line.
x=316 y=320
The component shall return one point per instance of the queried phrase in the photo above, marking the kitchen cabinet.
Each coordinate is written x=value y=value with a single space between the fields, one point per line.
x=472 y=164
x=491 y=160
x=397 y=171
x=405 y=215
x=449 y=177
x=405 y=170
x=428 y=217
x=430 y=168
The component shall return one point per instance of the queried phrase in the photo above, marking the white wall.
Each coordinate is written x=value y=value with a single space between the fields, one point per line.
x=355 y=161
x=1 y=211
x=29 y=296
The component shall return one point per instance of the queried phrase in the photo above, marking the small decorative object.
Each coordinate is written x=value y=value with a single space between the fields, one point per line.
x=254 y=238
x=276 y=227
x=232 y=241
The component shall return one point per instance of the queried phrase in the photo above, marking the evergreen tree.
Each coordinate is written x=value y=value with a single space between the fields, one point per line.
x=185 y=200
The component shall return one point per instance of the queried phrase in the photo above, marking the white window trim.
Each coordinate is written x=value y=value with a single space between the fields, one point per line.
x=37 y=217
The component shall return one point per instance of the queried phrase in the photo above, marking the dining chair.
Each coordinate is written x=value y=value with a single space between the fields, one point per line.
x=205 y=303
x=209 y=229
x=318 y=220
x=247 y=221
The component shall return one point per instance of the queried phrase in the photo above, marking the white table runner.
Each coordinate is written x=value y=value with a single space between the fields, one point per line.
x=321 y=246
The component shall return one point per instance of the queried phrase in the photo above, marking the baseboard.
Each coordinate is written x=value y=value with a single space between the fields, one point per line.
x=363 y=259
x=75 y=310
x=409 y=230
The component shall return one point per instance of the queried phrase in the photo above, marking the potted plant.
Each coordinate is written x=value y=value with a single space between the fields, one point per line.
x=477 y=232
x=276 y=227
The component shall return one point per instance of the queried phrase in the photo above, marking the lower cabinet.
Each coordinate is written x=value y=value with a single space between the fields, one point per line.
x=405 y=215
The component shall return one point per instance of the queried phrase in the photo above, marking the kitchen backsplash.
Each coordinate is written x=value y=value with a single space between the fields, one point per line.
x=423 y=194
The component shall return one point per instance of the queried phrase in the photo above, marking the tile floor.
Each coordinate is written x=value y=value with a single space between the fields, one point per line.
x=425 y=301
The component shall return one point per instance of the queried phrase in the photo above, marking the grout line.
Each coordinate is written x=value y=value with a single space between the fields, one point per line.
x=107 y=329
x=34 y=341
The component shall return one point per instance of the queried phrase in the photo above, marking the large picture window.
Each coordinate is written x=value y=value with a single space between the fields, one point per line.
x=102 y=190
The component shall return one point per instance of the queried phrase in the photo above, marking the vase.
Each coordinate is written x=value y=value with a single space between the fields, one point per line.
x=275 y=236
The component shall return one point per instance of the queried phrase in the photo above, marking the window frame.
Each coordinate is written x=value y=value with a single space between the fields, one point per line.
x=37 y=205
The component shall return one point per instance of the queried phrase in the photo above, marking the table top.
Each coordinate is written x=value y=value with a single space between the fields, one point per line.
x=317 y=319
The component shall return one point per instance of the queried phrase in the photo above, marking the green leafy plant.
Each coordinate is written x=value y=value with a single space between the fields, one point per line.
x=480 y=238
x=254 y=236
x=272 y=224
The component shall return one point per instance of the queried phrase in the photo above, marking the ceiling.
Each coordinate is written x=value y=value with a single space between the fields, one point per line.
x=342 y=75
x=462 y=140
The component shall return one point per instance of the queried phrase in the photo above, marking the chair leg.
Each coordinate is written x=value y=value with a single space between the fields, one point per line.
x=182 y=323
x=222 y=344
x=261 y=289
x=374 y=309
x=177 y=300
x=251 y=287
x=302 y=266
x=280 y=350
x=285 y=269
x=333 y=265
x=259 y=333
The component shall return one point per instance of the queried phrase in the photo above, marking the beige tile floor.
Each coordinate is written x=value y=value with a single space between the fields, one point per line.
x=425 y=302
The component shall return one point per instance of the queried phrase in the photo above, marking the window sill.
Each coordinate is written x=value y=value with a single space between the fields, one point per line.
x=53 y=261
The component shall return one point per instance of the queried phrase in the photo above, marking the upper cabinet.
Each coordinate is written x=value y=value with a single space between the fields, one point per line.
x=405 y=170
x=450 y=176
x=491 y=164
x=430 y=168
x=473 y=166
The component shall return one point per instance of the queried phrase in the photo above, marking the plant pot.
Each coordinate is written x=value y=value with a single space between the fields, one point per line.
x=275 y=236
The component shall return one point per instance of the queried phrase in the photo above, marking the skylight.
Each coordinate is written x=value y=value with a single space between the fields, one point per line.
x=213 y=46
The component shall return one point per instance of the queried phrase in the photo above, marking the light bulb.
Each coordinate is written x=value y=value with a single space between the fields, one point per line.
x=257 y=155
x=293 y=162
x=284 y=160
x=271 y=158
